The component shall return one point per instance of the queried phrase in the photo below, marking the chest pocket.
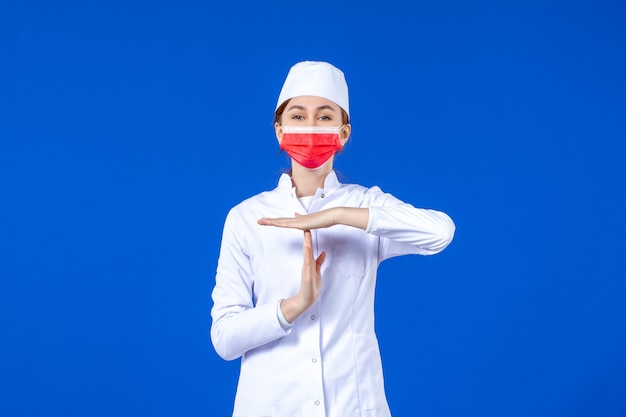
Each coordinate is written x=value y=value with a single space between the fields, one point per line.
x=351 y=251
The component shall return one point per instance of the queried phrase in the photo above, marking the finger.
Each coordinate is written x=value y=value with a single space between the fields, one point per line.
x=307 y=246
x=308 y=239
x=288 y=222
x=274 y=219
x=320 y=260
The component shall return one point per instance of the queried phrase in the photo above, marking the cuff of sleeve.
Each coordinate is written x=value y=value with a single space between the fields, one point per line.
x=281 y=317
x=372 y=221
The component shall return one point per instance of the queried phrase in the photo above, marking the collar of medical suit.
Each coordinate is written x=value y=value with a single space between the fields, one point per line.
x=330 y=182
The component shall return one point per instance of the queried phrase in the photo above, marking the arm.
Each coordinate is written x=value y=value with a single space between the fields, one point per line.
x=237 y=324
x=426 y=231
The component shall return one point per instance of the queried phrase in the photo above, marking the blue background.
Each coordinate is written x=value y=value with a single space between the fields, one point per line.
x=128 y=129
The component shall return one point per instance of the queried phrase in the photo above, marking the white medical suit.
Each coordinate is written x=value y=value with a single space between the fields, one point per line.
x=327 y=363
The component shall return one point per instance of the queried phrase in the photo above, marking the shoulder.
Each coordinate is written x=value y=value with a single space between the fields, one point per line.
x=372 y=195
x=254 y=202
x=261 y=204
x=369 y=195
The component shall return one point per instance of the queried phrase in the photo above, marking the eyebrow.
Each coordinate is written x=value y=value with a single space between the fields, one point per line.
x=324 y=107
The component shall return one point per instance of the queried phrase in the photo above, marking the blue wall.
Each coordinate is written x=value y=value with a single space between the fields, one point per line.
x=128 y=129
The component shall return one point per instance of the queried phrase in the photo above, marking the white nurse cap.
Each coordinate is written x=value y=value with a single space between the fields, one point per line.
x=311 y=78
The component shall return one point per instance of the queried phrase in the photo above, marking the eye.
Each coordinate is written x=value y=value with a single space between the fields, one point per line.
x=325 y=118
x=297 y=117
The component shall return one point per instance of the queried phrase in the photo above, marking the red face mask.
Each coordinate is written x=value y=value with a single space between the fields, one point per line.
x=310 y=146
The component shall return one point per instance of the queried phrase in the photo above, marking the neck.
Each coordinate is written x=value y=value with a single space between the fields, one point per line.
x=308 y=181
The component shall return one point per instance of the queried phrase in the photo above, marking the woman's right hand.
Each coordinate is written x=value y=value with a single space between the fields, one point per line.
x=311 y=284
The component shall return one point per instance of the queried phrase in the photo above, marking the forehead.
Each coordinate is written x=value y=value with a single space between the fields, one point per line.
x=312 y=102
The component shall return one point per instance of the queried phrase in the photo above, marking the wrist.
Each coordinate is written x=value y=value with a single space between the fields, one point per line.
x=291 y=308
x=337 y=215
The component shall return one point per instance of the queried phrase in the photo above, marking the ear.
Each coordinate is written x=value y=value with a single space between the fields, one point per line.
x=279 y=132
x=344 y=135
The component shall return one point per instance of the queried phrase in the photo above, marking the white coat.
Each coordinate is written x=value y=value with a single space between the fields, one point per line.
x=328 y=362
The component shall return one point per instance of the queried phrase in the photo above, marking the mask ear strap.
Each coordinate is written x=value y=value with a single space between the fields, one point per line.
x=341 y=130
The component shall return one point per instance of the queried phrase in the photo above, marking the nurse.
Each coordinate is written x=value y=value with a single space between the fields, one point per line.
x=296 y=275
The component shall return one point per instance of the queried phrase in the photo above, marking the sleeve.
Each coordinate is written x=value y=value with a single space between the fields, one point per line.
x=281 y=317
x=405 y=229
x=237 y=324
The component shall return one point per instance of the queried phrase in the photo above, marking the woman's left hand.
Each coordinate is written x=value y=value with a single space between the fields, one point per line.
x=349 y=216
x=318 y=220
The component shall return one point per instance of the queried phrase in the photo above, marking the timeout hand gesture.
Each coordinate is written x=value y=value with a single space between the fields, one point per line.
x=311 y=283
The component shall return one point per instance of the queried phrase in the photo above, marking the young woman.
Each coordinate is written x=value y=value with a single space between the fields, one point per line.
x=294 y=293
